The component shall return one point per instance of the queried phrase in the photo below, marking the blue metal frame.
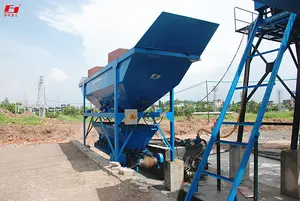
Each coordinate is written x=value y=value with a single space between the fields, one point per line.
x=194 y=186
x=107 y=138
x=165 y=140
x=264 y=104
x=172 y=127
x=255 y=131
x=118 y=117
x=84 y=111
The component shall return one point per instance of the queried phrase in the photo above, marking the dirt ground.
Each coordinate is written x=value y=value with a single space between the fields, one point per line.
x=60 y=171
x=53 y=130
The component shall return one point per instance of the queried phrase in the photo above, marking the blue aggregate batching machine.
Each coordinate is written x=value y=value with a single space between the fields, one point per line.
x=127 y=86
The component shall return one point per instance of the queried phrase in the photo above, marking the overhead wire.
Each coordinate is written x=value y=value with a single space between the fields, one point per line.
x=228 y=68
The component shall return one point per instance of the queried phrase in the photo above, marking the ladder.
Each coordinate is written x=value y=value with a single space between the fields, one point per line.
x=232 y=196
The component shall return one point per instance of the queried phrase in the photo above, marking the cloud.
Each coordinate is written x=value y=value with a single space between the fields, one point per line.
x=13 y=85
x=105 y=26
x=58 y=75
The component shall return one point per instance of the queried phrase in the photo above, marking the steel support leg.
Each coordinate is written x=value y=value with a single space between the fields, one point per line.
x=255 y=189
x=172 y=126
x=84 y=117
x=296 y=120
x=218 y=163
x=244 y=98
x=116 y=116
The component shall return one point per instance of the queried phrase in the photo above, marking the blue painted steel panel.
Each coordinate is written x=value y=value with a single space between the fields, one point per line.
x=258 y=6
x=288 y=5
x=177 y=33
x=141 y=136
x=154 y=66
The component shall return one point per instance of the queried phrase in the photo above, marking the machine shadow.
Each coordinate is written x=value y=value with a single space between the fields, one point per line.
x=79 y=161
x=130 y=191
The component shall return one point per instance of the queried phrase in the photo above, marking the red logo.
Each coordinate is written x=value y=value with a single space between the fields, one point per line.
x=11 y=10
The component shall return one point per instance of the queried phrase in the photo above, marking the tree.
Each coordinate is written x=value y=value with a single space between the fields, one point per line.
x=188 y=110
x=8 y=106
x=252 y=107
x=72 y=111
x=5 y=103
x=161 y=105
x=178 y=111
x=235 y=107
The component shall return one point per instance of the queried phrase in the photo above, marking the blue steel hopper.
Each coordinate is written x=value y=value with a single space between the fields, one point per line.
x=139 y=78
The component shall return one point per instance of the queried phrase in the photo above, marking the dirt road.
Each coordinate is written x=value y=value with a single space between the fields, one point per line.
x=61 y=172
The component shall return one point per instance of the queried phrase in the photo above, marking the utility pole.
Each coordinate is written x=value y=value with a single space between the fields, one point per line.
x=207 y=102
x=215 y=98
x=57 y=102
x=25 y=100
x=279 y=99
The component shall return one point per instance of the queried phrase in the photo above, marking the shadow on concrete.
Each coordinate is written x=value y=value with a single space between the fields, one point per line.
x=127 y=191
x=151 y=174
x=180 y=195
x=79 y=161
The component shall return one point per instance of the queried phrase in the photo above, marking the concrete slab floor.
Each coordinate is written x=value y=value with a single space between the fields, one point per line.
x=60 y=172
x=269 y=182
x=268 y=169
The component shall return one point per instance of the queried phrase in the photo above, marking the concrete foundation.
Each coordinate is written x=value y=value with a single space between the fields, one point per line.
x=174 y=173
x=235 y=156
x=290 y=173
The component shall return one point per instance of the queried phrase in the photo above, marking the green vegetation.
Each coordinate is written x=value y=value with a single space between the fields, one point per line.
x=286 y=115
x=25 y=120
x=10 y=106
x=69 y=118
x=183 y=110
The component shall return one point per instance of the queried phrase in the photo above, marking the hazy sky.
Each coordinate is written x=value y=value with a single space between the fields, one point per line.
x=61 y=40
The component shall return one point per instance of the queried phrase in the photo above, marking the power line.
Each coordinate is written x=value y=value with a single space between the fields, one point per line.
x=226 y=69
x=193 y=86
x=226 y=81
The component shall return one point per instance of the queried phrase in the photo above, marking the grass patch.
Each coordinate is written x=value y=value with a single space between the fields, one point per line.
x=250 y=117
x=286 y=115
x=26 y=120
x=67 y=118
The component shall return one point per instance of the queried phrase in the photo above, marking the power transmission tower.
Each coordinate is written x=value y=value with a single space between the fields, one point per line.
x=41 y=100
